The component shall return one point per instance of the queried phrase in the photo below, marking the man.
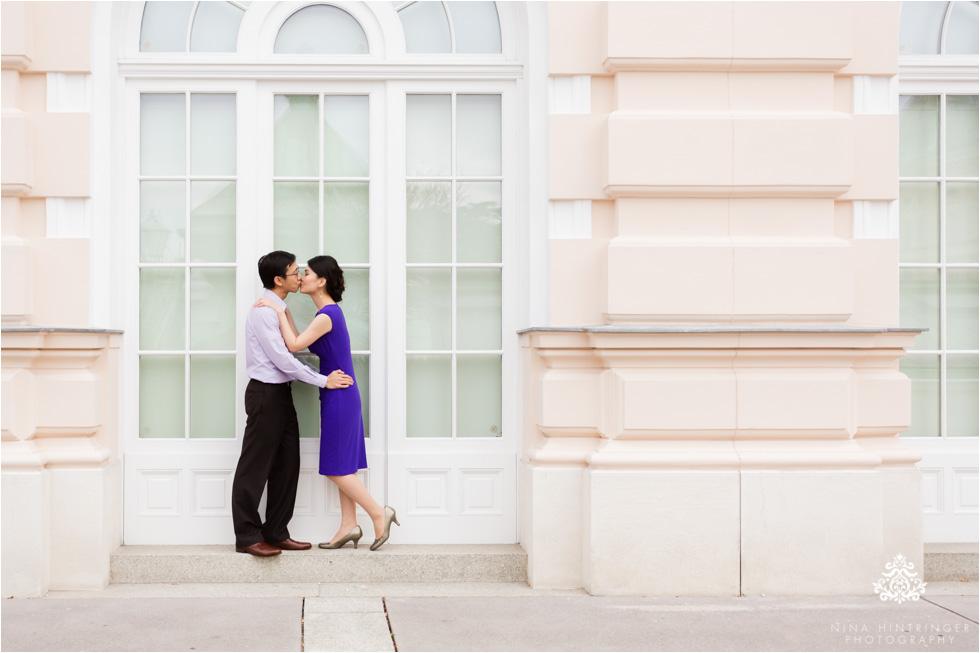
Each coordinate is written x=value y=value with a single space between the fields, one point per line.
x=270 y=447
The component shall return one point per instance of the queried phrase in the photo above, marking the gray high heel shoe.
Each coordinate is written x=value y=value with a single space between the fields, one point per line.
x=354 y=535
x=389 y=517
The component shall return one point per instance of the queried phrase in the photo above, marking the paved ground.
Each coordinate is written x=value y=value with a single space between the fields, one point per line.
x=476 y=617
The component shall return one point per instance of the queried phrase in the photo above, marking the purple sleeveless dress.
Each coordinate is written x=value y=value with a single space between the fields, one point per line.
x=341 y=425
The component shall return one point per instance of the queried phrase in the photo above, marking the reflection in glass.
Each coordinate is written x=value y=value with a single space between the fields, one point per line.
x=215 y=27
x=164 y=27
x=345 y=221
x=301 y=306
x=962 y=306
x=345 y=136
x=918 y=222
x=213 y=309
x=161 y=309
x=962 y=392
x=961 y=135
x=296 y=136
x=429 y=396
x=478 y=222
x=162 y=221
x=355 y=306
x=476 y=26
x=212 y=396
x=429 y=309
x=478 y=397
x=918 y=125
x=426 y=27
x=962 y=209
x=429 y=134
x=321 y=29
x=295 y=214
x=919 y=304
x=212 y=134
x=478 y=135
x=924 y=374
x=429 y=218
x=477 y=308
x=162 y=143
x=306 y=398
x=213 y=221
x=161 y=396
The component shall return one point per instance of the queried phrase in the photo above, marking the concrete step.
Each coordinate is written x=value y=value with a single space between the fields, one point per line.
x=394 y=563
x=951 y=561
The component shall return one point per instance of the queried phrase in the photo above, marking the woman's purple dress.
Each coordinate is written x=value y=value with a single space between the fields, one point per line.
x=341 y=425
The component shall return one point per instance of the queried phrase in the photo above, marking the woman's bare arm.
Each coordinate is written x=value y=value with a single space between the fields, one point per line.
x=321 y=324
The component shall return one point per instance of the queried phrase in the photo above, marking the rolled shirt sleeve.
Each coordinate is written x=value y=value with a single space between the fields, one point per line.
x=269 y=337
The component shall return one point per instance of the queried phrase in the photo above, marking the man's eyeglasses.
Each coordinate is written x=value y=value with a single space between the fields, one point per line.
x=297 y=273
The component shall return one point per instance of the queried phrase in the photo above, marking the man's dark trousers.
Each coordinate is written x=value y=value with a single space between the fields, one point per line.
x=270 y=452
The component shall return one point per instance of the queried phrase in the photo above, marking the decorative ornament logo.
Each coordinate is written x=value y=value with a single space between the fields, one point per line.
x=899 y=582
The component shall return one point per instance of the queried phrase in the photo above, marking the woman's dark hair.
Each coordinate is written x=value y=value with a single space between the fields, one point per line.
x=272 y=265
x=326 y=267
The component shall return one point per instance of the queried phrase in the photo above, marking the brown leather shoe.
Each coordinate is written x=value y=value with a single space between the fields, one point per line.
x=260 y=549
x=292 y=545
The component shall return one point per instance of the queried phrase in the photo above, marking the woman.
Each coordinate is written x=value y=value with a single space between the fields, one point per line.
x=341 y=426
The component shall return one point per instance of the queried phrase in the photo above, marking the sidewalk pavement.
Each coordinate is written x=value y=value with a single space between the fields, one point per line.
x=477 y=617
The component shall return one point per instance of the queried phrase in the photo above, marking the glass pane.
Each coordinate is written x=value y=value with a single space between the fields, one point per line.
x=429 y=311
x=477 y=309
x=362 y=374
x=478 y=397
x=216 y=27
x=961 y=135
x=918 y=124
x=212 y=134
x=162 y=309
x=162 y=221
x=357 y=308
x=924 y=373
x=961 y=34
x=345 y=221
x=212 y=396
x=921 y=26
x=213 y=221
x=321 y=29
x=962 y=392
x=162 y=143
x=303 y=309
x=345 y=136
x=476 y=26
x=164 y=27
x=161 y=396
x=213 y=309
x=919 y=304
x=429 y=135
x=478 y=222
x=962 y=209
x=962 y=306
x=429 y=395
x=430 y=222
x=296 y=136
x=426 y=27
x=478 y=135
x=306 y=397
x=918 y=229
x=295 y=209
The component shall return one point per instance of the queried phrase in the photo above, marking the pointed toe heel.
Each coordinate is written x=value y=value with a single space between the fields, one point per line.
x=354 y=535
x=389 y=517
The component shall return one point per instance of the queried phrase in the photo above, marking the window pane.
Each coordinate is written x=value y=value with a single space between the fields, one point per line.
x=162 y=122
x=429 y=396
x=345 y=135
x=295 y=209
x=164 y=27
x=321 y=29
x=161 y=396
x=356 y=307
x=919 y=136
x=162 y=221
x=429 y=135
x=477 y=309
x=924 y=373
x=216 y=27
x=962 y=324
x=962 y=391
x=212 y=134
x=213 y=221
x=426 y=27
x=921 y=26
x=429 y=312
x=302 y=308
x=162 y=309
x=306 y=398
x=362 y=374
x=478 y=135
x=961 y=34
x=429 y=217
x=962 y=209
x=345 y=221
x=213 y=309
x=961 y=136
x=212 y=396
x=918 y=209
x=919 y=304
x=476 y=26
x=478 y=222
x=296 y=136
x=478 y=397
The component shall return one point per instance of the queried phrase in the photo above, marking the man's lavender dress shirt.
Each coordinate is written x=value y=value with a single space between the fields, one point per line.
x=266 y=356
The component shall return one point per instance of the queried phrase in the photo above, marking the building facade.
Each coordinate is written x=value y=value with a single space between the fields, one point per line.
x=639 y=286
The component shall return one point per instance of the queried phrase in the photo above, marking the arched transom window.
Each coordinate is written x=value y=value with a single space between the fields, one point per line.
x=191 y=26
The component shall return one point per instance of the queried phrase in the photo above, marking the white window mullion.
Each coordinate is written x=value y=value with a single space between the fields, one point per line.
x=942 y=256
x=187 y=255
